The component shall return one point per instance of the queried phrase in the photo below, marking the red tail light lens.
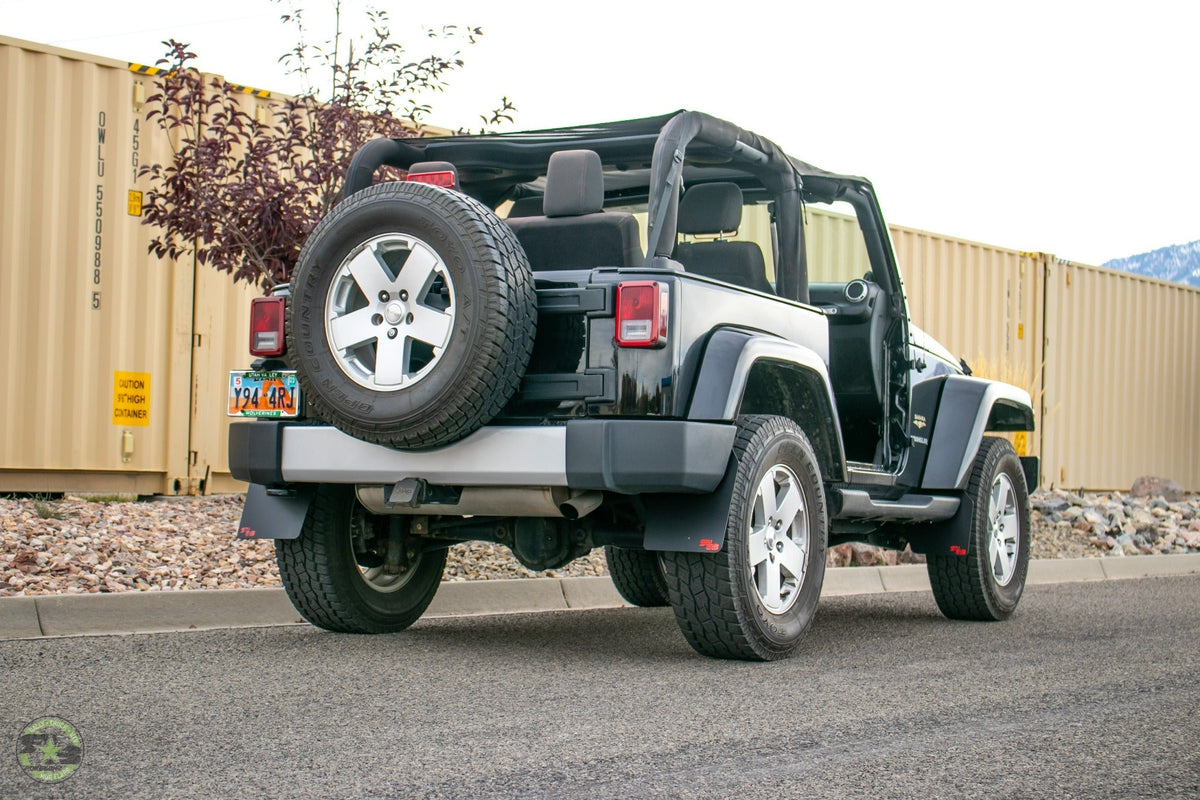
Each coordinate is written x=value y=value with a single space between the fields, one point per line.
x=442 y=179
x=266 y=326
x=641 y=313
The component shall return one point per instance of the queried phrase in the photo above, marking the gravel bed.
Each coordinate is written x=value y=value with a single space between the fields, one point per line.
x=74 y=545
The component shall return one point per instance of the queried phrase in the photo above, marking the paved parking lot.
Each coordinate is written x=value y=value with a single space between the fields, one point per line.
x=1092 y=689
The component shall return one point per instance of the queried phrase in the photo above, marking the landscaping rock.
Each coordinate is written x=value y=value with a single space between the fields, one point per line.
x=73 y=546
x=1151 y=486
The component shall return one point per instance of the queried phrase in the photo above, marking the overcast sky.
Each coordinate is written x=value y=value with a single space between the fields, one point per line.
x=1065 y=127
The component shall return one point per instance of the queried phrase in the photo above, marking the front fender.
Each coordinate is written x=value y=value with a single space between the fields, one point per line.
x=968 y=407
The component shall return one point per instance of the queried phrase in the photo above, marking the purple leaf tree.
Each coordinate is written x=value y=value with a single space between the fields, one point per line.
x=243 y=189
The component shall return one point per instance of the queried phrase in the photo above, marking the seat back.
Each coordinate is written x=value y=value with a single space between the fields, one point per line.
x=715 y=209
x=574 y=231
x=526 y=207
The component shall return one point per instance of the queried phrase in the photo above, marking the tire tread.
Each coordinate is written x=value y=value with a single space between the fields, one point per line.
x=638 y=576
x=311 y=579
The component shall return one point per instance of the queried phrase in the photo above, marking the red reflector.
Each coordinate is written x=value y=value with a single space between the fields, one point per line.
x=641 y=313
x=266 y=326
x=957 y=551
x=442 y=179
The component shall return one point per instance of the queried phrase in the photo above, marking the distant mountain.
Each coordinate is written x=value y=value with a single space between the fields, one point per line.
x=1179 y=263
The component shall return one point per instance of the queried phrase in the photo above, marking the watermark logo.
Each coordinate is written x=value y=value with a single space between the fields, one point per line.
x=49 y=749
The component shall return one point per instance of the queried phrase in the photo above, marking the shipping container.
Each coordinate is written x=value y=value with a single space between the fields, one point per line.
x=95 y=333
x=1122 y=379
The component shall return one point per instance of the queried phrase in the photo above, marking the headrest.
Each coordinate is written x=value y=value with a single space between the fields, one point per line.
x=574 y=184
x=709 y=208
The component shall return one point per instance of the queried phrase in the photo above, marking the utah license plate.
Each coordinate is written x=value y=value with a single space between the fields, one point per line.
x=264 y=394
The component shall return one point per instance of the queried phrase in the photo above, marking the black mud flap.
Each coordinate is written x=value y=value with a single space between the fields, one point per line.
x=949 y=538
x=278 y=514
x=689 y=523
x=1031 y=466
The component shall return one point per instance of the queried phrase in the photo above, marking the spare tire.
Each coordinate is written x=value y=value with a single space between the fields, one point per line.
x=412 y=316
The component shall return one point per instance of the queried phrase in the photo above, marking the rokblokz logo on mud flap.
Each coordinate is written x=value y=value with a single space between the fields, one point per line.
x=49 y=749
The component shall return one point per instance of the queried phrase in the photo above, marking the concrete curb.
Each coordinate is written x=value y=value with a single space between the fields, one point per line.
x=159 y=612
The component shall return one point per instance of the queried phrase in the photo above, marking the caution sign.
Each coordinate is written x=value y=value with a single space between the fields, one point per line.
x=134 y=208
x=131 y=398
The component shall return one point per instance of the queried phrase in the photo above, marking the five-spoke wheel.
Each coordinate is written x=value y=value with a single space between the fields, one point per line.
x=389 y=314
x=779 y=539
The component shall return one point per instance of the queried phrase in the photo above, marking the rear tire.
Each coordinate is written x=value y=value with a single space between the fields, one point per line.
x=335 y=576
x=638 y=576
x=756 y=597
x=987 y=583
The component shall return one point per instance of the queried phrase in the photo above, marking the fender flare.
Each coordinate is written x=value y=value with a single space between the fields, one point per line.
x=968 y=407
x=696 y=523
x=728 y=363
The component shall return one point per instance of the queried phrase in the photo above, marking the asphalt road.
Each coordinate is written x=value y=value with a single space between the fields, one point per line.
x=1090 y=690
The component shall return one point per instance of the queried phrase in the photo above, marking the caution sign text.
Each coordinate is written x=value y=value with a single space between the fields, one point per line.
x=131 y=398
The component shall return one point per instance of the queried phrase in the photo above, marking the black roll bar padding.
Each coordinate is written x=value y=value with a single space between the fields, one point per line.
x=791 y=248
x=370 y=157
x=674 y=138
x=756 y=155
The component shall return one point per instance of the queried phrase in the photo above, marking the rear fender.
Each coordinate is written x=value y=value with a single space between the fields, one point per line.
x=748 y=373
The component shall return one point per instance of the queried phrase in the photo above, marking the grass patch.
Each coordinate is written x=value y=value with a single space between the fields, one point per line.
x=108 y=498
x=46 y=506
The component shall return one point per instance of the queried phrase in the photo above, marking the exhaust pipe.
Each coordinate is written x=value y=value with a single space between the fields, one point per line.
x=581 y=504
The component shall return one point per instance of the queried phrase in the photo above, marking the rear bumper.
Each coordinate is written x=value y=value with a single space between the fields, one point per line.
x=626 y=456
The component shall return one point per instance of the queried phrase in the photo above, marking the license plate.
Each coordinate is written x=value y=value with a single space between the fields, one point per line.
x=264 y=394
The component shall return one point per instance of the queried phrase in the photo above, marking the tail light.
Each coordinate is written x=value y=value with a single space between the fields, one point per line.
x=642 y=309
x=442 y=179
x=266 y=326
x=438 y=173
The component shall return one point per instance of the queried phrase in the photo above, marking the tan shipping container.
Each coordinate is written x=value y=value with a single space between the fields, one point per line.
x=221 y=328
x=96 y=333
x=1122 y=379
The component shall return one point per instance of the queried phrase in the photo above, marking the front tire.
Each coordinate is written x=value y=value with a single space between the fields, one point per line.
x=988 y=582
x=756 y=597
x=638 y=576
x=336 y=572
